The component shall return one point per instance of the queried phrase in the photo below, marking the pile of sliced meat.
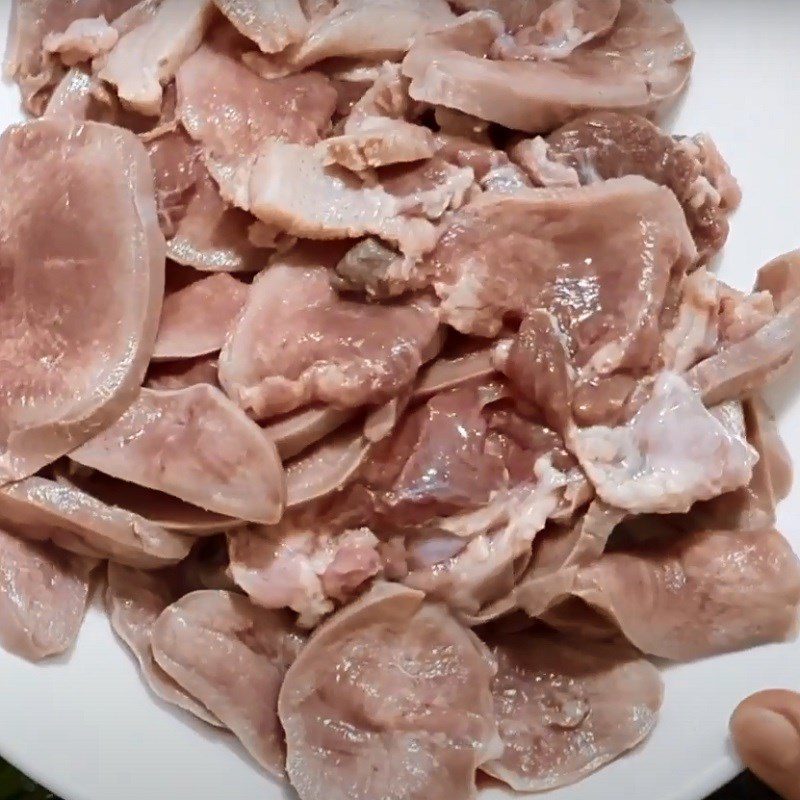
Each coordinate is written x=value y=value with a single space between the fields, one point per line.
x=368 y=353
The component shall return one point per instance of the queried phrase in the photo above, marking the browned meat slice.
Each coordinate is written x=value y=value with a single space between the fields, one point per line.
x=80 y=285
x=640 y=66
x=297 y=431
x=600 y=259
x=42 y=510
x=83 y=40
x=149 y=56
x=231 y=656
x=172 y=375
x=699 y=594
x=197 y=445
x=26 y=59
x=197 y=313
x=339 y=351
x=389 y=692
x=567 y=707
x=272 y=24
x=670 y=455
x=43 y=597
x=134 y=600
x=609 y=144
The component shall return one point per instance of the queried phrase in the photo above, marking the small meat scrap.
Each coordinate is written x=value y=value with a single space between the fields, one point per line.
x=423 y=734
x=298 y=342
x=567 y=707
x=82 y=40
x=232 y=657
x=699 y=594
x=80 y=285
x=272 y=24
x=196 y=445
x=44 y=592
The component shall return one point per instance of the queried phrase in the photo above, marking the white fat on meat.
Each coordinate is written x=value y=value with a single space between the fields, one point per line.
x=340 y=351
x=699 y=594
x=42 y=510
x=134 y=600
x=642 y=64
x=390 y=692
x=232 y=657
x=567 y=707
x=197 y=445
x=148 y=57
x=82 y=40
x=670 y=455
x=197 y=313
x=79 y=301
x=44 y=593
x=272 y=24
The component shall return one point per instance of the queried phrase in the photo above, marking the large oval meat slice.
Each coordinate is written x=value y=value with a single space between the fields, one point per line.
x=390 y=692
x=134 y=600
x=642 y=64
x=43 y=597
x=297 y=341
x=42 y=510
x=699 y=594
x=567 y=707
x=80 y=285
x=196 y=445
x=232 y=657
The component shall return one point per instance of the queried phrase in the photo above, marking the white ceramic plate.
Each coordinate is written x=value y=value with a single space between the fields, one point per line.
x=87 y=728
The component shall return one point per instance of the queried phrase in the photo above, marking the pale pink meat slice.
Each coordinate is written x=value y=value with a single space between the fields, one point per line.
x=272 y=24
x=599 y=258
x=449 y=373
x=295 y=432
x=45 y=511
x=80 y=285
x=44 y=592
x=83 y=40
x=339 y=351
x=197 y=445
x=172 y=375
x=389 y=692
x=197 y=314
x=640 y=66
x=147 y=58
x=670 y=455
x=567 y=707
x=699 y=594
x=232 y=657
x=134 y=600
x=781 y=278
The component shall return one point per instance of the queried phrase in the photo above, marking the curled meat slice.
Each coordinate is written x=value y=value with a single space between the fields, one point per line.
x=231 y=656
x=149 y=56
x=781 y=278
x=42 y=510
x=83 y=40
x=197 y=445
x=670 y=455
x=696 y=595
x=134 y=600
x=599 y=258
x=272 y=24
x=388 y=692
x=340 y=351
x=295 y=432
x=567 y=707
x=641 y=65
x=80 y=285
x=44 y=592
x=197 y=313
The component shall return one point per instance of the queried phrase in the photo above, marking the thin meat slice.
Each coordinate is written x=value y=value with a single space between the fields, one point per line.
x=45 y=511
x=699 y=594
x=567 y=707
x=297 y=431
x=449 y=373
x=80 y=285
x=670 y=455
x=389 y=692
x=272 y=24
x=298 y=342
x=232 y=657
x=781 y=278
x=640 y=66
x=83 y=40
x=44 y=593
x=197 y=445
x=135 y=600
x=197 y=313
x=149 y=56
x=600 y=259
x=172 y=375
